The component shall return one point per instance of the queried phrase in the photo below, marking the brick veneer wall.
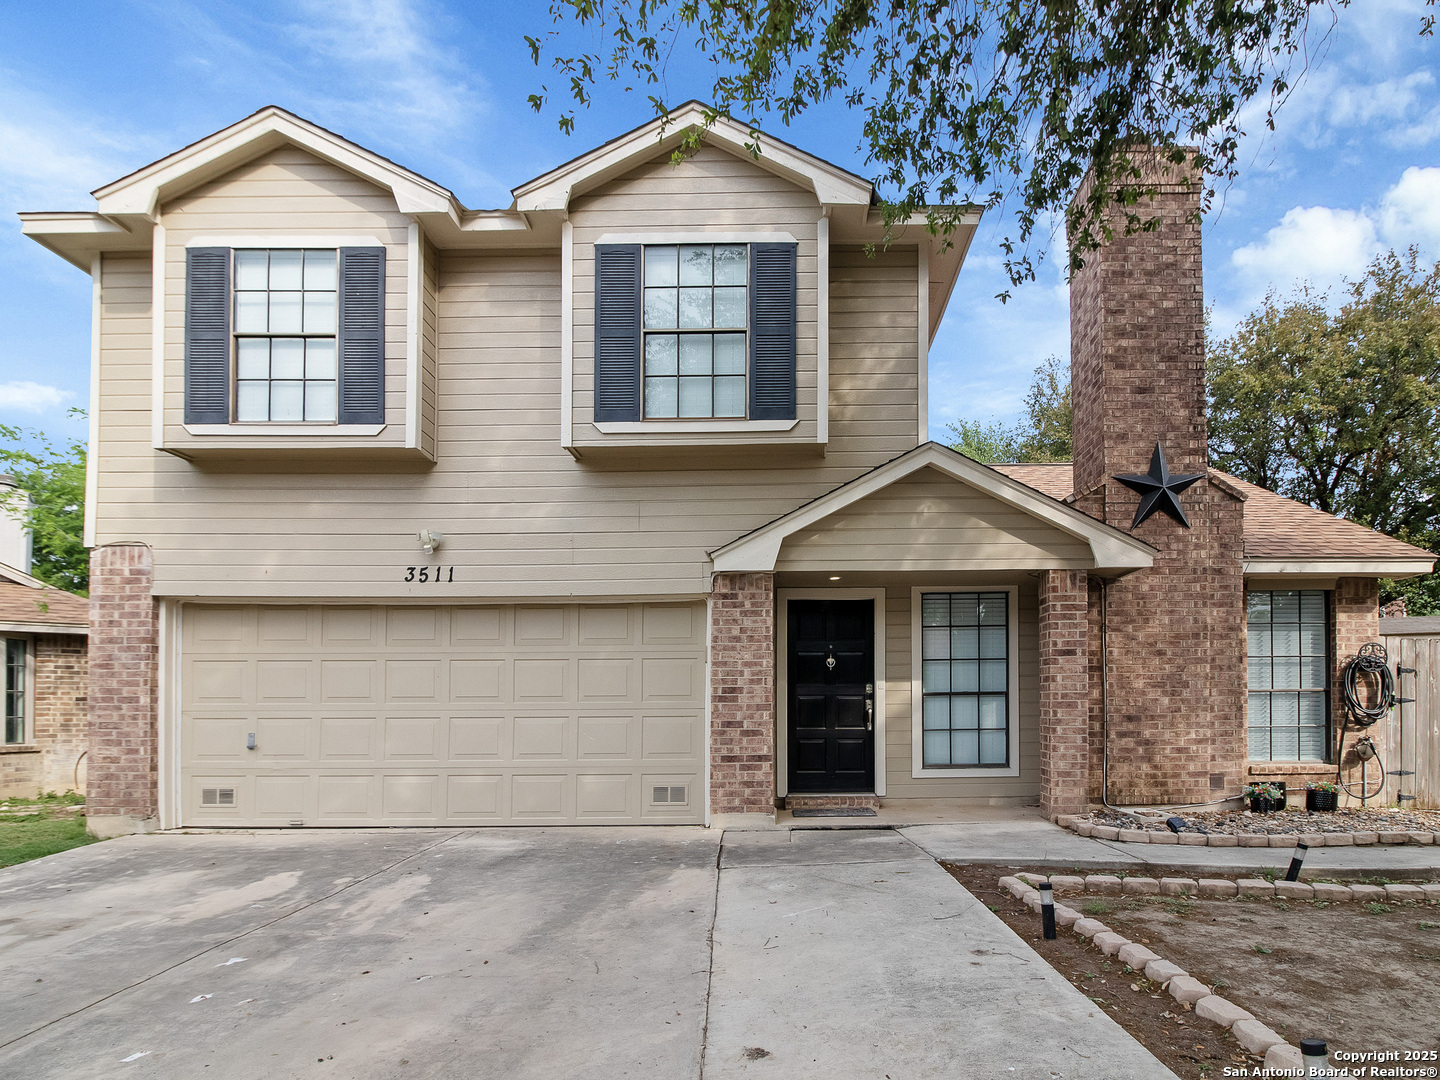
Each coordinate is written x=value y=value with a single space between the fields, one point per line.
x=1064 y=692
x=742 y=694
x=1176 y=647
x=1356 y=621
x=61 y=709
x=121 y=792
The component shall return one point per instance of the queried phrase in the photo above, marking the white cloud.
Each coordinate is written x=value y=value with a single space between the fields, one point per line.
x=30 y=397
x=1317 y=244
x=1410 y=211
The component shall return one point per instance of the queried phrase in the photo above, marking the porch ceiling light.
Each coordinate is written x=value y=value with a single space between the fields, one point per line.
x=834 y=577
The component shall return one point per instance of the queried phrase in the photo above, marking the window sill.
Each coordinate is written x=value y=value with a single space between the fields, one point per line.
x=1290 y=768
x=967 y=772
x=19 y=748
x=286 y=430
x=690 y=427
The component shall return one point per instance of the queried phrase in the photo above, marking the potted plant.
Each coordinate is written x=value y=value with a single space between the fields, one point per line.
x=1322 y=795
x=1265 y=797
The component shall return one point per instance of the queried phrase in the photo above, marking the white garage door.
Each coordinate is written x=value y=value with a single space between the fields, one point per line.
x=505 y=715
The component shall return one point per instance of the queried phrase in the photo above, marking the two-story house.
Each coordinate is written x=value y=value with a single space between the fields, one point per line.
x=619 y=506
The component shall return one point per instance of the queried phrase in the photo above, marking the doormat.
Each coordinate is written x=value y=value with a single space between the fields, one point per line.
x=834 y=811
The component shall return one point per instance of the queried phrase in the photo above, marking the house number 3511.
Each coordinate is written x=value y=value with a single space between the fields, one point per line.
x=436 y=574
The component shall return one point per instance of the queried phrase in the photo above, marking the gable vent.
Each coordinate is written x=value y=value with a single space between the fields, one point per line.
x=667 y=794
x=220 y=796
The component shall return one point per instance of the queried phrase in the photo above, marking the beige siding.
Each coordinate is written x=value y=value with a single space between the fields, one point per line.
x=287 y=192
x=521 y=517
x=712 y=191
x=928 y=521
x=899 y=783
x=126 y=488
x=874 y=354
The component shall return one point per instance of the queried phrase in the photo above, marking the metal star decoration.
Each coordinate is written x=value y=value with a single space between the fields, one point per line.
x=1159 y=490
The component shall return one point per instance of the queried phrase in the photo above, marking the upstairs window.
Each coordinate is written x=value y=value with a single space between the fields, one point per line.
x=692 y=291
x=285 y=335
x=286 y=318
x=1288 y=636
x=695 y=331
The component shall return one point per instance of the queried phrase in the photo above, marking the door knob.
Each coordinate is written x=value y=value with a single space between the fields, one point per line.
x=869 y=715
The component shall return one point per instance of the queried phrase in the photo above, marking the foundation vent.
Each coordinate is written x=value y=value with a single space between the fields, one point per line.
x=666 y=794
x=217 y=796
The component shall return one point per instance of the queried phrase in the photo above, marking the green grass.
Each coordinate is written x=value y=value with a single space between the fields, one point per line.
x=1096 y=907
x=26 y=834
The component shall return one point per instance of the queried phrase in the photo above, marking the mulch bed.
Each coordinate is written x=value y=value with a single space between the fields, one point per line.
x=1281 y=822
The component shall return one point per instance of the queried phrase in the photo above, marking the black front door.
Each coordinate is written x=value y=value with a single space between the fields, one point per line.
x=832 y=693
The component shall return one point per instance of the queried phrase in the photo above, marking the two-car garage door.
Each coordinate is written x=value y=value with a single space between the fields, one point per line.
x=331 y=715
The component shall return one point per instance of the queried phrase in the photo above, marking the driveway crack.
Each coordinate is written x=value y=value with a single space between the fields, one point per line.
x=710 y=941
x=241 y=936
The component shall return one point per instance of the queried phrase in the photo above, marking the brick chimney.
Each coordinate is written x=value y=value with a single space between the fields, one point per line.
x=1174 y=674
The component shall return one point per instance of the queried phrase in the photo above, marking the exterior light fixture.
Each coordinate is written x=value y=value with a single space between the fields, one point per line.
x=430 y=540
x=834 y=577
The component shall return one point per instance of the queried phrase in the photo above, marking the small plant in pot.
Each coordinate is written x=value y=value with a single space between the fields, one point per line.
x=1265 y=797
x=1322 y=795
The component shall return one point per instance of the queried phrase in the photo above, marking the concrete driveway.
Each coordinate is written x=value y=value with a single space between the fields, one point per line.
x=528 y=953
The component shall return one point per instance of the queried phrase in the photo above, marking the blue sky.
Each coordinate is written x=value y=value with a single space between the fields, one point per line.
x=90 y=91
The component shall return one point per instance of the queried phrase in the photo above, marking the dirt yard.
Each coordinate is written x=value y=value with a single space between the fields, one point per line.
x=1360 y=976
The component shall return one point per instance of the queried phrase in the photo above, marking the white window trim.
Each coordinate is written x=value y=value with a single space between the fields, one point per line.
x=664 y=237
x=265 y=429
x=27 y=718
x=414 y=269
x=981 y=773
x=782 y=683
x=677 y=427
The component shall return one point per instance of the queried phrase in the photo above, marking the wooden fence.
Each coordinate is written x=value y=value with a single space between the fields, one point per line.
x=1412 y=730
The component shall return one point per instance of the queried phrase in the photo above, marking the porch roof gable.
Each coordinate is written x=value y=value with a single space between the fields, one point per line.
x=1113 y=551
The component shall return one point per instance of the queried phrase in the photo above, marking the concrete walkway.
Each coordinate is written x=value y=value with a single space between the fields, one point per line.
x=528 y=953
x=1027 y=840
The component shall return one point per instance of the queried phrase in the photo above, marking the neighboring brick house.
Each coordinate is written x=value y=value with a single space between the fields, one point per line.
x=618 y=505
x=43 y=650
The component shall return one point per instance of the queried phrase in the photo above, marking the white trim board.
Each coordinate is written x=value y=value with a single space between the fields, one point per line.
x=92 y=451
x=1390 y=567
x=662 y=235
x=157 y=339
x=1112 y=550
x=269 y=239
x=782 y=685
x=917 y=697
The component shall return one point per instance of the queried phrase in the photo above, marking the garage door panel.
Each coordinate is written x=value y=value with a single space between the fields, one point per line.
x=348 y=626
x=347 y=739
x=349 y=680
x=606 y=737
x=540 y=796
x=412 y=628
x=542 y=680
x=346 y=798
x=285 y=680
x=412 y=680
x=283 y=739
x=476 y=738
x=412 y=738
x=539 y=714
x=477 y=798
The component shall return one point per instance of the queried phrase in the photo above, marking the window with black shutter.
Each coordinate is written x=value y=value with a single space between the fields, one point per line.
x=694 y=331
x=285 y=335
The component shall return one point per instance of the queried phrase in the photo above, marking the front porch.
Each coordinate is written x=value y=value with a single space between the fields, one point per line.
x=913 y=644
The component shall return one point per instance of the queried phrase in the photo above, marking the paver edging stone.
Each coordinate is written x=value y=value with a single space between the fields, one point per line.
x=1118 y=835
x=1249 y=1032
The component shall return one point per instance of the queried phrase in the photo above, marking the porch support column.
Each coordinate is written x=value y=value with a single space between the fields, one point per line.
x=742 y=698
x=1064 y=692
x=121 y=791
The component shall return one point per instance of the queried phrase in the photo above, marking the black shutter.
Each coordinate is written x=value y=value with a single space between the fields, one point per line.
x=207 y=335
x=617 y=332
x=772 y=331
x=362 y=335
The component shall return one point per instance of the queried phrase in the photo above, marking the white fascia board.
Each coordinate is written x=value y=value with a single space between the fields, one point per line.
x=78 y=629
x=78 y=236
x=1111 y=549
x=1386 y=568
x=142 y=191
x=19 y=577
x=555 y=189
